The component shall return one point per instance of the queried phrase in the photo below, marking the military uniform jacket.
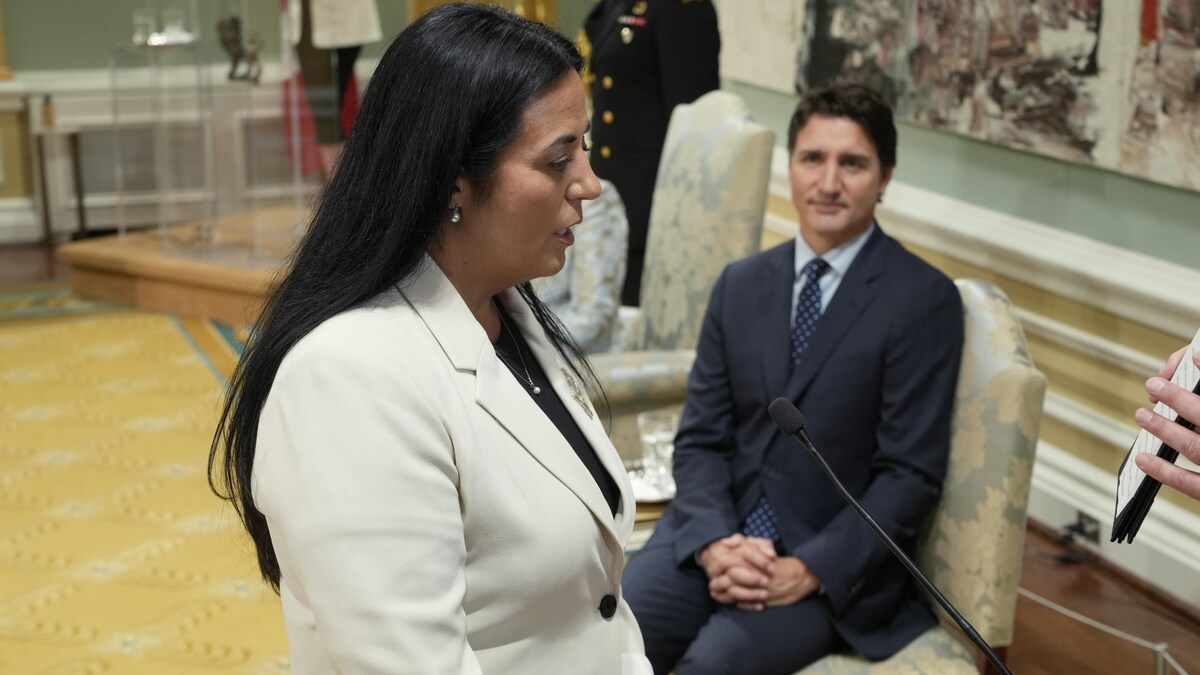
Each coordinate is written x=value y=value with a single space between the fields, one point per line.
x=647 y=57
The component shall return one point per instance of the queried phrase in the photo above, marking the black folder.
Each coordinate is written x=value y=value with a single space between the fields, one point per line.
x=1135 y=490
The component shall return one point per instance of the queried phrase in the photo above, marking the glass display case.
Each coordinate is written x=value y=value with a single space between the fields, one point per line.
x=201 y=142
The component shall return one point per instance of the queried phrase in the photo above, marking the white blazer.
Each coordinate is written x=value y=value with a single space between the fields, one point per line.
x=336 y=23
x=427 y=516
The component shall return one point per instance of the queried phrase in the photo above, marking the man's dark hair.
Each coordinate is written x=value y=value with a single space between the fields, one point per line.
x=853 y=101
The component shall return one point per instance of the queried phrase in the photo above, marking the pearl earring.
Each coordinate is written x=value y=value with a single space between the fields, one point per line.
x=455 y=213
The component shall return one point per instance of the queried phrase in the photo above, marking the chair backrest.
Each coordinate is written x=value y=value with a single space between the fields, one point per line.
x=972 y=546
x=709 y=200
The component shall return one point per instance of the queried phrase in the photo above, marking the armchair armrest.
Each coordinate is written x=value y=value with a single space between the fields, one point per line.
x=635 y=382
x=628 y=329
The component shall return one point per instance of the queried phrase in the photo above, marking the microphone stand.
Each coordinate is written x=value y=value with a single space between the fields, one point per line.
x=801 y=436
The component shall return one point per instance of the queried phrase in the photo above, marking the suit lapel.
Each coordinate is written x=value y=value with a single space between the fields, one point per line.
x=497 y=392
x=466 y=345
x=778 y=277
x=853 y=296
x=571 y=392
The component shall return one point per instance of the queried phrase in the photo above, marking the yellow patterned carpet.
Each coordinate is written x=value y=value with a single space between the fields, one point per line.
x=114 y=555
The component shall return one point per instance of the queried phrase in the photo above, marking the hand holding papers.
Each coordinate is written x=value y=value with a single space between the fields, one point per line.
x=1135 y=489
x=1180 y=437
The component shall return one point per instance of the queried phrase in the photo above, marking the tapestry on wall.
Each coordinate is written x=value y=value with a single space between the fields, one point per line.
x=1111 y=83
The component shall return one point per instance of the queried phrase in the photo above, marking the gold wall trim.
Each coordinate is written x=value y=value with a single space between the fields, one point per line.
x=542 y=11
x=5 y=72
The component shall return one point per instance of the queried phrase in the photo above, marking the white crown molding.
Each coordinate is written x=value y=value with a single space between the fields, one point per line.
x=1132 y=285
x=780 y=225
x=1083 y=418
x=12 y=95
x=1083 y=342
x=88 y=81
x=780 y=186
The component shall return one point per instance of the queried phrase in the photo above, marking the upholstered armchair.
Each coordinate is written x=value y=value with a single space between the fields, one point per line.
x=709 y=200
x=973 y=544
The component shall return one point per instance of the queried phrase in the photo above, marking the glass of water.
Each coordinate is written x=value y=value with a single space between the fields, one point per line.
x=657 y=429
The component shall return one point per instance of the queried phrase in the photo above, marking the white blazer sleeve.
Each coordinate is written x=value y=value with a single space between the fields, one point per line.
x=356 y=476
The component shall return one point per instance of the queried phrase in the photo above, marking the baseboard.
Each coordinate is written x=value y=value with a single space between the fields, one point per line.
x=1166 y=551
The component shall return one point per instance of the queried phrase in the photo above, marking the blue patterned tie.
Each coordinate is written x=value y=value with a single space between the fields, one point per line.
x=808 y=307
x=761 y=521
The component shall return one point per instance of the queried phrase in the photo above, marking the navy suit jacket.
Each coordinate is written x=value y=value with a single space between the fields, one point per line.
x=876 y=385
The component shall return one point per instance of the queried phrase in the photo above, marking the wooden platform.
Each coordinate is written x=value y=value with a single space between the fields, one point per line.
x=178 y=270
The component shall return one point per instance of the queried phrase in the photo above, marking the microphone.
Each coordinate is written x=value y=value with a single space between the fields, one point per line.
x=791 y=422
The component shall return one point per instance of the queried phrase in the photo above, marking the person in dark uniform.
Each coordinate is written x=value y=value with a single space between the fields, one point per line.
x=647 y=56
x=328 y=36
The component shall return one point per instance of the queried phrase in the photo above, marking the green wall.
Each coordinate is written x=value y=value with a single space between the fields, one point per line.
x=1107 y=206
x=571 y=14
x=68 y=34
x=80 y=34
x=1160 y=221
x=1135 y=214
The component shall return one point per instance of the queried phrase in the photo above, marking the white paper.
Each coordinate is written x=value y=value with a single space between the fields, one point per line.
x=1186 y=376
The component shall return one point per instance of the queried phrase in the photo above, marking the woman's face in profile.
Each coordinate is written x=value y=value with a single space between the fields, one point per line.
x=523 y=225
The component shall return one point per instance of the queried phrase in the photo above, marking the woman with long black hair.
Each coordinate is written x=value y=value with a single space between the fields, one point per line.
x=407 y=436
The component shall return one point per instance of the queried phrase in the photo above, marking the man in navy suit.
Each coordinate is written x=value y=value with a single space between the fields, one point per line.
x=758 y=565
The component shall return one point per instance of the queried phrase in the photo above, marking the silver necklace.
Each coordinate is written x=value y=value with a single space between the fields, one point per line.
x=517 y=343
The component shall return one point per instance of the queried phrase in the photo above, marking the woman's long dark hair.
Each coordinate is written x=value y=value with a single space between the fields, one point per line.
x=445 y=100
